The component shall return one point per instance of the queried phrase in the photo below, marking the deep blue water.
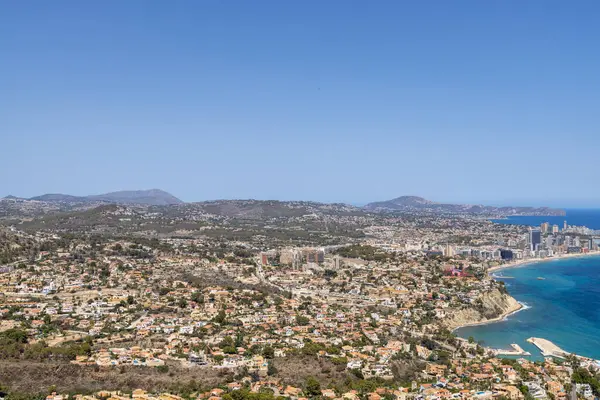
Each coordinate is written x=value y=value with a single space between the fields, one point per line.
x=579 y=217
x=564 y=308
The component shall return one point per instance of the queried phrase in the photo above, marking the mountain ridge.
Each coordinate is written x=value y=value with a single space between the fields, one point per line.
x=157 y=197
x=416 y=203
x=154 y=197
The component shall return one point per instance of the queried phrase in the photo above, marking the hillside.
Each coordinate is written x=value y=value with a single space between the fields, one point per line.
x=494 y=305
x=58 y=197
x=153 y=197
x=419 y=204
x=262 y=209
x=304 y=223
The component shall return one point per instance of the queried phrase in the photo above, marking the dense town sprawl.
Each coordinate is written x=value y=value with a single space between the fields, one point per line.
x=254 y=300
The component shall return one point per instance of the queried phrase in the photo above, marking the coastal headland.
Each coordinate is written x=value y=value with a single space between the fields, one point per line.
x=516 y=306
x=494 y=300
x=546 y=347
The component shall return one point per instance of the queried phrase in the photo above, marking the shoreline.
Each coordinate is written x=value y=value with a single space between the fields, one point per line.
x=521 y=307
x=505 y=314
x=518 y=264
x=549 y=349
x=528 y=261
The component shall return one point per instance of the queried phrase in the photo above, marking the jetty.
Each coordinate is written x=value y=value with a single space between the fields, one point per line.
x=548 y=348
x=516 y=351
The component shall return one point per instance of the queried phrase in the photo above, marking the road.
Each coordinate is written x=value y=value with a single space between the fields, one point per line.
x=260 y=274
x=133 y=325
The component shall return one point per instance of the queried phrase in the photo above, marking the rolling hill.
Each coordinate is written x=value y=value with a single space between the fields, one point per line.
x=153 y=197
x=415 y=203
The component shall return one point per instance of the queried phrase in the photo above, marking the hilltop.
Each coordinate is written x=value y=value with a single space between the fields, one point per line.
x=416 y=204
x=153 y=197
x=171 y=206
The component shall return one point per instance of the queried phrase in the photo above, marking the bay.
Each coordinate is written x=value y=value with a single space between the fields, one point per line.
x=564 y=307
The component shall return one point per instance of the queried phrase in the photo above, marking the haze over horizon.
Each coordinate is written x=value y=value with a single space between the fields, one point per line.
x=462 y=102
x=496 y=204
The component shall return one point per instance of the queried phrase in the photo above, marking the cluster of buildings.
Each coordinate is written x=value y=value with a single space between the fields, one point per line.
x=549 y=240
x=149 y=308
x=481 y=379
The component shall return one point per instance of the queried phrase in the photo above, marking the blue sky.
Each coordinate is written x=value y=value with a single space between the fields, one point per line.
x=469 y=101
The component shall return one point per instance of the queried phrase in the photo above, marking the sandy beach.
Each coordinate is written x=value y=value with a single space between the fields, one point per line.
x=524 y=262
x=545 y=346
x=517 y=264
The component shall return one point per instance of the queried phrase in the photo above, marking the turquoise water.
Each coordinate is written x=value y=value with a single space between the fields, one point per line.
x=563 y=308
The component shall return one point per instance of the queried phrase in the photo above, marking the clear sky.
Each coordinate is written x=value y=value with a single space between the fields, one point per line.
x=490 y=102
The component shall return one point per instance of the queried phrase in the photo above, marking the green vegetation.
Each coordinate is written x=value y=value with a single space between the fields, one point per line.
x=582 y=375
x=245 y=394
x=220 y=317
x=14 y=345
x=312 y=387
x=163 y=369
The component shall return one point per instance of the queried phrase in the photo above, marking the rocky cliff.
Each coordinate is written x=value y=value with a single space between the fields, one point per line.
x=491 y=306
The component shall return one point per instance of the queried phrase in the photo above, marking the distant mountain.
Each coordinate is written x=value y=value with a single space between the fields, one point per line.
x=153 y=197
x=419 y=204
x=401 y=202
x=251 y=209
x=57 y=197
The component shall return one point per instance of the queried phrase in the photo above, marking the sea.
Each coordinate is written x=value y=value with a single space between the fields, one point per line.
x=564 y=307
x=579 y=217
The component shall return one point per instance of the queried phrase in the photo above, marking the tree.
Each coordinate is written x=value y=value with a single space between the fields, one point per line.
x=226 y=342
x=163 y=369
x=271 y=370
x=239 y=340
x=198 y=297
x=582 y=375
x=268 y=352
x=329 y=273
x=220 y=317
x=15 y=335
x=312 y=387
x=524 y=389
x=480 y=350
